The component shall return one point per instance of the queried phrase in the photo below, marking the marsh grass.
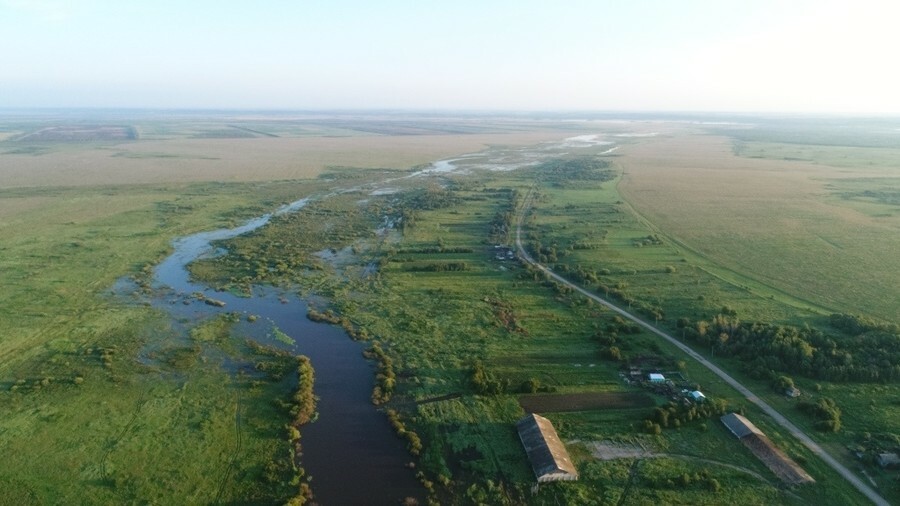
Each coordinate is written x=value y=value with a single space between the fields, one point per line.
x=92 y=414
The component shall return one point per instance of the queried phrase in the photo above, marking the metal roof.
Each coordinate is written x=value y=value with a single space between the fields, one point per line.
x=740 y=426
x=546 y=452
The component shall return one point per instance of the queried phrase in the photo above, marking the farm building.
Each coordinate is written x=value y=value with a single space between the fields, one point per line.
x=888 y=460
x=656 y=378
x=547 y=454
x=697 y=396
x=762 y=447
x=739 y=426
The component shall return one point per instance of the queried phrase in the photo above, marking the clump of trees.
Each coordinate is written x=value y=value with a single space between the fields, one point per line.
x=303 y=411
x=327 y=316
x=650 y=240
x=782 y=383
x=304 y=407
x=502 y=222
x=867 y=351
x=413 y=442
x=442 y=267
x=826 y=413
x=433 y=197
x=506 y=316
x=684 y=481
x=439 y=248
x=563 y=172
x=386 y=378
x=485 y=383
x=676 y=414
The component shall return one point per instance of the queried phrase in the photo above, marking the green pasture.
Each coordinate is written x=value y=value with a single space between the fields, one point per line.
x=83 y=394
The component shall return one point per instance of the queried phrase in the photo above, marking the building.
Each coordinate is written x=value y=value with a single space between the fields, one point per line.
x=547 y=454
x=739 y=426
x=697 y=396
x=792 y=392
x=765 y=450
x=888 y=460
x=656 y=378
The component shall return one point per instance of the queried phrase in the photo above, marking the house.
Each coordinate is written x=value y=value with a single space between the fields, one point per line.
x=656 y=378
x=792 y=392
x=697 y=396
x=547 y=454
x=888 y=460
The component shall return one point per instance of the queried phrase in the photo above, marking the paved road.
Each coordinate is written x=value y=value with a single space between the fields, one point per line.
x=778 y=417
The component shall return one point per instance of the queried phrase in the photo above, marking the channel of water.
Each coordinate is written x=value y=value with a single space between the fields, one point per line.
x=351 y=451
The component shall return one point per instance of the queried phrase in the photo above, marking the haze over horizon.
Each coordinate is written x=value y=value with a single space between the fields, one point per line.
x=705 y=56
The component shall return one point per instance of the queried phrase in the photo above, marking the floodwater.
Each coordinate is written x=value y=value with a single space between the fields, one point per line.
x=351 y=451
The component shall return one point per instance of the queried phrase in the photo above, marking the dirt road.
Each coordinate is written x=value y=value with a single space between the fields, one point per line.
x=769 y=410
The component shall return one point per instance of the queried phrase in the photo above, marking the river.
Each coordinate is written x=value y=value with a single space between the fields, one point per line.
x=351 y=451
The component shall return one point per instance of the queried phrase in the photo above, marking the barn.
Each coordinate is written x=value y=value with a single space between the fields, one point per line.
x=765 y=450
x=547 y=454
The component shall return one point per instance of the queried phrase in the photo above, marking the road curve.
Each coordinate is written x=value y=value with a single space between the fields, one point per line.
x=778 y=417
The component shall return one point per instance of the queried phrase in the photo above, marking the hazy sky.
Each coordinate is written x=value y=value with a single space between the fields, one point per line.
x=752 y=55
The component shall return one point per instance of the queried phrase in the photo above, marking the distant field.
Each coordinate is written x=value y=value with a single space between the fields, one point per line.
x=871 y=161
x=85 y=133
x=774 y=221
x=240 y=159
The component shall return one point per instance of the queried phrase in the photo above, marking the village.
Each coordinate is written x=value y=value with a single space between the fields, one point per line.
x=550 y=460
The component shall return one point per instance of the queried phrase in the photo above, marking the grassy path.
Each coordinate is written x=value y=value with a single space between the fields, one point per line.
x=750 y=396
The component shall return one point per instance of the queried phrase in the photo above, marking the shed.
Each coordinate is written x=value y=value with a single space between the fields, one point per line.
x=762 y=447
x=697 y=396
x=740 y=426
x=888 y=460
x=547 y=454
x=656 y=377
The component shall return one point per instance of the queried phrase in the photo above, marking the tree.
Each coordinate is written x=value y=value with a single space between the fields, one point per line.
x=723 y=340
x=783 y=383
x=531 y=385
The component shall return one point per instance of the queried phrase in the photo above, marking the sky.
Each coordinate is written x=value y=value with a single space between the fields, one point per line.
x=790 y=56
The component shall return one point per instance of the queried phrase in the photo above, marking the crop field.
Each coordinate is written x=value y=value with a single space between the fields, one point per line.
x=775 y=222
x=464 y=338
x=238 y=148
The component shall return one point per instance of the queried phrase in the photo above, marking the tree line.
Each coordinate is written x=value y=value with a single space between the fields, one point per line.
x=861 y=350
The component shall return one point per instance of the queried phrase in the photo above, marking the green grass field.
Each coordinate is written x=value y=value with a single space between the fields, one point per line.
x=90 y=415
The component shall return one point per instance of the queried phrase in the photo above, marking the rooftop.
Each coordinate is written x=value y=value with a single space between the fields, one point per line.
x=740 y=426
x=546 y=452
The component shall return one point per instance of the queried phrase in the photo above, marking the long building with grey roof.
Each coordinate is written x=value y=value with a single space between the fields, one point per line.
x=547 y=454
x=765 y=450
